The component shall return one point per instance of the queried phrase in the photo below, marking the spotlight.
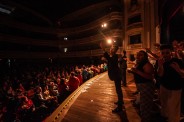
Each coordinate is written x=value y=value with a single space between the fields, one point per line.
x=109 y=41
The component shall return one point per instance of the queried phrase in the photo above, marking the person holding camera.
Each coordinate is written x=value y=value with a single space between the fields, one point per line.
x=114 y=73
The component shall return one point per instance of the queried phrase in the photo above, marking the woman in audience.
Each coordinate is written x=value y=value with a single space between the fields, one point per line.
x=143 y=75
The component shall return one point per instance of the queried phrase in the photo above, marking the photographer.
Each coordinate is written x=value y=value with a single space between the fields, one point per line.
x=114 y=74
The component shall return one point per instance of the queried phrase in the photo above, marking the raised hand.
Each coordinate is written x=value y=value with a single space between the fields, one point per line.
x=150 y=52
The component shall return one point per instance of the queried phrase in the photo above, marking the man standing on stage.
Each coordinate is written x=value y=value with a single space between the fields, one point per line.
x=114 y=73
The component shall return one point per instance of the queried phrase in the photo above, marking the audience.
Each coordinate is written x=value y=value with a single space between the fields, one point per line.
x=33 y=92
x=168 y=86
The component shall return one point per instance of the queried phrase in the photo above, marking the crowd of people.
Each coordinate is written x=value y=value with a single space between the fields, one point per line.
x=160 y=72
x=165 y=77
x=33 y=92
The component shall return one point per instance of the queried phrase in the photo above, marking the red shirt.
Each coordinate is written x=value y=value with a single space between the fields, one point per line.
x=73 y=83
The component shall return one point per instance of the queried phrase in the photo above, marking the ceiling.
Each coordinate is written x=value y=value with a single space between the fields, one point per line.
x=52 y=13
x=42 y=25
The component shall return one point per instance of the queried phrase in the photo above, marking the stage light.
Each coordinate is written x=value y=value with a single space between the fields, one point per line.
x=104 y=25
x=65 y=38
x=109 y=41
x=65 y=50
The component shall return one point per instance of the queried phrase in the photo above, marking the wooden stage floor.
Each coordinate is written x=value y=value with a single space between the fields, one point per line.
x=96 y=101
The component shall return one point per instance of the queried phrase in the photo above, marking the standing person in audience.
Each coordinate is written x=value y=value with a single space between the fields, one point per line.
x=114 y=73
x=181 y=50
x=178 y=49
x=175 y=47
x=143 y=75
x=170 y=71
x=181 y=54
x=123 y=67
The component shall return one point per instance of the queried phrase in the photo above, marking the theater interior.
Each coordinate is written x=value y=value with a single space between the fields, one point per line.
x=72 y=29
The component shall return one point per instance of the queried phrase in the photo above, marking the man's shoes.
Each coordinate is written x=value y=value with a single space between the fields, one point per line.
x=117 y=110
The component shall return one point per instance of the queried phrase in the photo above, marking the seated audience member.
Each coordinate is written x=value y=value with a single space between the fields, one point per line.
x=62 y=89
x=53 y=89
x=26 y=109
x=73 y=82
x=39 y=100
x=84 y=73
x=79 y=76
x=52 y=101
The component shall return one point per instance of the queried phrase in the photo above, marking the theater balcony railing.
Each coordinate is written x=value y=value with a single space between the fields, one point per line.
x=36 y=55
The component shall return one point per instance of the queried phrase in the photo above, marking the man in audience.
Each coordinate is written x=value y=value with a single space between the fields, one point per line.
x=170 y=71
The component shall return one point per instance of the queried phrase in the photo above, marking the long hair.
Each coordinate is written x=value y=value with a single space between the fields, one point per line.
x=144 y=61
x=145 y=55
